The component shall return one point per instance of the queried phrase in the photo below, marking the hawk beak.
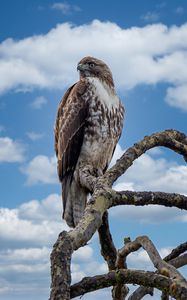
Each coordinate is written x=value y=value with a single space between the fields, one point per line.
x=82 y=67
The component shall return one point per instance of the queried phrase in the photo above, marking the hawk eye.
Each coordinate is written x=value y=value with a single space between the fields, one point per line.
x=91 y=65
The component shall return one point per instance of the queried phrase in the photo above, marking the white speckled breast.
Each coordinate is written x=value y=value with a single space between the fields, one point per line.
x=104 y=125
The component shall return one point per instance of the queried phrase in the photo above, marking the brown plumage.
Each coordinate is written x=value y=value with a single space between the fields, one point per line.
x=88 y=126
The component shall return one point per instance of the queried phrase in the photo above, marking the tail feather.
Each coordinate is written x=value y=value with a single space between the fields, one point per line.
x=74 y=202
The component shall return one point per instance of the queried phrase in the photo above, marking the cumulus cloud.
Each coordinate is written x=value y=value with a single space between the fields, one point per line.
x=27 y=234
x=152 y=171
x=34 y=136
x=52 y=62
x=41 y=169
x=177 y=96
x=150 y=17
x=39 y=102
x=65 y=7
x=11 y=151
x=33 y=223
x=156 y=174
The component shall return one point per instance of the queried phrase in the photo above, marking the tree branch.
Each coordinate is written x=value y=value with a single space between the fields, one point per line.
x=171 y=139
x=108 y=250
x=162 y=266
x=177 y=262
x=146 y=198
x=60 y=267
x=140 y=292
x=149 y=279
x=102 y=199
x=176 y=252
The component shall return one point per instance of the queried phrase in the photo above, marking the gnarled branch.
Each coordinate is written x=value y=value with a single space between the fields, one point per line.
x=149 y=279
x=103 y=197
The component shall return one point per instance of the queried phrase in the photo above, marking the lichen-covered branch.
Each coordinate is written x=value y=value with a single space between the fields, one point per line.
x=162 y=266
x=60 y=268
x=176 y=252
x=103 y=197
x=149 y=279
x=108 y=250
x=176 y=261
x=145 y=198
x=140 y=292
x=171 y=139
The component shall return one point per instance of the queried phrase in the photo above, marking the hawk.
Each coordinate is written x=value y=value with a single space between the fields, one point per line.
x=88 y=126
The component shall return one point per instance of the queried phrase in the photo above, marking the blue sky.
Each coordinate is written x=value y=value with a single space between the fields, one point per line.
x=145 y=44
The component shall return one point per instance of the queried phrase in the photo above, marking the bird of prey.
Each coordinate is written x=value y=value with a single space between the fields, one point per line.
x=88 y=126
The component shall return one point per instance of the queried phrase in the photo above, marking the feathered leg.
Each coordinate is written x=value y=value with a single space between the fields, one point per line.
x=74 y=199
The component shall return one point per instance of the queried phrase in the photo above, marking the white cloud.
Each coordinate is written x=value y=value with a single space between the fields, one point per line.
x=41 y=169
x=156 y=174
x=150 y=173
x=65 y=7
x=34 y=136
x=52 y=62
x=150 y=17
x=35 y=223
x=27 y=234
x=117 y=154
x=153 y=214
x=39 y=102
x=177 y=96
x=10 y=150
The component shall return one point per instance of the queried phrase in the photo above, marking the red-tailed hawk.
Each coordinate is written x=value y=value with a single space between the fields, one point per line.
x=88 y=126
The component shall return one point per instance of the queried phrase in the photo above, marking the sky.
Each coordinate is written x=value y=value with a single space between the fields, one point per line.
x=145 y=44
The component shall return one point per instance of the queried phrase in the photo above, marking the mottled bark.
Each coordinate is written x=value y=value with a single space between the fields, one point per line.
x=108 y=250
x=149 y=279
x=167 y=278
x=177 y=262
x=171 y=139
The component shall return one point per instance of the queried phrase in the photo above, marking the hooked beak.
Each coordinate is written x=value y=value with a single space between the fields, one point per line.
x=82 y=67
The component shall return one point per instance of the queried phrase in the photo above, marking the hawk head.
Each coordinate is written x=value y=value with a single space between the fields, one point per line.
x=93 y=67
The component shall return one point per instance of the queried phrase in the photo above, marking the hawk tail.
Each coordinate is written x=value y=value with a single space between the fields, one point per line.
x=74 y=201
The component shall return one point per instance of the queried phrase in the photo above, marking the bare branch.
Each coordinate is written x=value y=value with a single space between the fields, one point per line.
x=162 y=266
x=177 y=262
x=145 y=198
x=176 y=252
x=103 y=198
x=180 y=261
x=108 y=249
x=149 y=279
x=60 y=267
x=140 y=292
x=171 y=139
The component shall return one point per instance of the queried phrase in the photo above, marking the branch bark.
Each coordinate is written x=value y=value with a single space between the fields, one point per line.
x=108 y=250
x=171 y=139
x=149 y=279
x=176 y=261
x=103 y=197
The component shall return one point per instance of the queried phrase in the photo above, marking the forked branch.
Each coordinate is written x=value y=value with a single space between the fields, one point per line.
x=103 y=197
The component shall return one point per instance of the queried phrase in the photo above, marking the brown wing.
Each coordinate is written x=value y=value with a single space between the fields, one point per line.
x=69 y=129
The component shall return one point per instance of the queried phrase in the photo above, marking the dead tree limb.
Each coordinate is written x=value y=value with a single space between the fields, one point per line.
x=103 y=197
x=149 y=279
x=171 y=139
x=173 y=259
x=108 y=250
